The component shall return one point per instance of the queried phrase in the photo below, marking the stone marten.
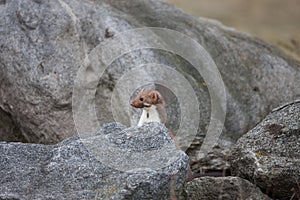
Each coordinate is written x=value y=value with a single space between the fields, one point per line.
x=153 y=105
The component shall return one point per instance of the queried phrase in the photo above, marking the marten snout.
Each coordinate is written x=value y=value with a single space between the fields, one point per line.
x=137 y=104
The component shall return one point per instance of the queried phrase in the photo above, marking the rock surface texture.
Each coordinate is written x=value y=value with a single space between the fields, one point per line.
x=269 y=154
x=228 y=188
x=48 y=47
x=68 y=170
x=44 y=43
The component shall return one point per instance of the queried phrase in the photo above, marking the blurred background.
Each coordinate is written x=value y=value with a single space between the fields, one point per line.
x=275 y=21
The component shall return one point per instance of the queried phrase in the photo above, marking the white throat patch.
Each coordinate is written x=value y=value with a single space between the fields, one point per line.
x=149 y=114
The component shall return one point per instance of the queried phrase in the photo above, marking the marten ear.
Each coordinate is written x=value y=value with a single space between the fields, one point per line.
x=155 y=96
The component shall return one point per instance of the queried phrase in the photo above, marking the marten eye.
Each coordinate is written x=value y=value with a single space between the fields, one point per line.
x=141 y=99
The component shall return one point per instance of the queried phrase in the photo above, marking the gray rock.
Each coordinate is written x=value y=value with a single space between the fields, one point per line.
x=222 y=188
x=269 y=154
x=7 y=126
x=40 y=53
x=72 y=170
x=215 y=160
x=43 y=44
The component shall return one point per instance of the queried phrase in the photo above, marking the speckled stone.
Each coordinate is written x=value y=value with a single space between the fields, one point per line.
x=70 y=170
x=226 y=188
x=269 y=154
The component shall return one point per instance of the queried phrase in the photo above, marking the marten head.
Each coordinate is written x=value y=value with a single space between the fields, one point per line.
x=146 y=98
